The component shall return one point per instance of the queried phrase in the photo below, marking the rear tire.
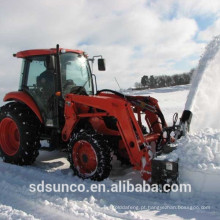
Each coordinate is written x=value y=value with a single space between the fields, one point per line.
x=89 y=156
x=19 y=134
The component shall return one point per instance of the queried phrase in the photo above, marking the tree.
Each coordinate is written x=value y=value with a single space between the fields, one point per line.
x=165 y=80
x=145 y=81
x=152 y=82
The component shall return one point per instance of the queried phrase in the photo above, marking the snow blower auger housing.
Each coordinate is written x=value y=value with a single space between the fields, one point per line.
x=58 y=101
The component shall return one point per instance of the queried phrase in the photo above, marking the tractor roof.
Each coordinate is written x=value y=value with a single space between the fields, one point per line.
x=27 y=53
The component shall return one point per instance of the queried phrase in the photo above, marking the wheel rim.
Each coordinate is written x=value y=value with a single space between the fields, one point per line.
x=9 y=136
x=84 y=158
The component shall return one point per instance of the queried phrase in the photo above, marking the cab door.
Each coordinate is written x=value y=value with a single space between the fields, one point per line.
x=39 y=79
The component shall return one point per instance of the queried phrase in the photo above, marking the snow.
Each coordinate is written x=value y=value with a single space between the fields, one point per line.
x=199 y=161
x=201 y=150
x=203 y=99
x=20 y=203
x=8 y=212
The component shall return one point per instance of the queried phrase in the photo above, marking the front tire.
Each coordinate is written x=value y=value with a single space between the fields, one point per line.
x=89 y=156
x=19 y=138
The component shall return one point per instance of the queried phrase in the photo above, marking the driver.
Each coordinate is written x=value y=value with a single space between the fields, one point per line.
x=46 y=83
x=46 y=78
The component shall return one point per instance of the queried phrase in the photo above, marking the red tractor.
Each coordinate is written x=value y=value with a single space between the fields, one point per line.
x=58 y=101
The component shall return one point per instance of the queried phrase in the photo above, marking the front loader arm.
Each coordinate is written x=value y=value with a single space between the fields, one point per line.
x=136 y=143
x=118 y=108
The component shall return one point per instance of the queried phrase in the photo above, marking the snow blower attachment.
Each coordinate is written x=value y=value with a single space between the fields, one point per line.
x=57 y=101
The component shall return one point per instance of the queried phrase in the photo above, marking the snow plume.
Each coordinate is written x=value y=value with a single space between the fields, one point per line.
x=204 y=96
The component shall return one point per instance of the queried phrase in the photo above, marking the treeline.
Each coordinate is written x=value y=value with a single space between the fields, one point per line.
x=164 y=80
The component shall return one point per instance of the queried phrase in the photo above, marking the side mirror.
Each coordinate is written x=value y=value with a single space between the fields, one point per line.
x=101 y=64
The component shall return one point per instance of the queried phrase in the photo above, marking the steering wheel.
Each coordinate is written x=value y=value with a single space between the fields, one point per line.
x=112 y=91
x=80 y=90
x=68 y=83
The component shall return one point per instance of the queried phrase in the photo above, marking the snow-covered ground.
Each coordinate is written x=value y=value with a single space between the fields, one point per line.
x=17 y=202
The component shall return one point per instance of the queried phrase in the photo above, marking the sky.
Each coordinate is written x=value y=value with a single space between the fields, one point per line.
x=136 y=37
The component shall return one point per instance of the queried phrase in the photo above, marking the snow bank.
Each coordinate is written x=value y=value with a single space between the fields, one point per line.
x=199 y=160
x=7 y=212
x=200 y=151
x=203 y=99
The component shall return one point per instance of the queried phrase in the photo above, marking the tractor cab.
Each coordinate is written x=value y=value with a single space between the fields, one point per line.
x=47 y=76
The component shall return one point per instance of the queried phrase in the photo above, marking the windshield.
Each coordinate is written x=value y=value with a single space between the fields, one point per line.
x=76 y=74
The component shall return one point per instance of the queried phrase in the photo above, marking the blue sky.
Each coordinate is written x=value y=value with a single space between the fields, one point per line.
x=205 y=21
x=137 y=37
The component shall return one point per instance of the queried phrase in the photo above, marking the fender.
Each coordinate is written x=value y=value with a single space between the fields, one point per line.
x=26 y=99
